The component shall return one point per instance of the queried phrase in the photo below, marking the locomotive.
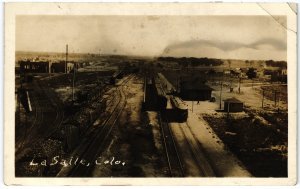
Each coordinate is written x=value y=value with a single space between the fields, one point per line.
x=161 y=97
x=178 y=113
x=155 y=99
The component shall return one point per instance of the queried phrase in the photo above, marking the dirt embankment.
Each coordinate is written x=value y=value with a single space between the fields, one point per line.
x=258 y=139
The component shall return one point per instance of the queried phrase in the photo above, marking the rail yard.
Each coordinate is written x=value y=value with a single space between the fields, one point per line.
x=118 y=116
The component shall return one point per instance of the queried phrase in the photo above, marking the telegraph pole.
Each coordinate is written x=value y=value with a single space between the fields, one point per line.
x=221 y=95
x=66 y=64
x=278 y=102
x=228 y=104
x=230 y=76
x=73 y=82
x=221 y=91
x=240 y=85
x=263 y=96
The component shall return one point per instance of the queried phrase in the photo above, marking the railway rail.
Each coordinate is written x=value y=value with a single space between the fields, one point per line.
x=173 y=157
x=47 y=106
x=175 y=165
x=97 y=139
x=196 y=151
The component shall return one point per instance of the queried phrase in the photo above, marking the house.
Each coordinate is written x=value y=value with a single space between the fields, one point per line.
x=233 y=105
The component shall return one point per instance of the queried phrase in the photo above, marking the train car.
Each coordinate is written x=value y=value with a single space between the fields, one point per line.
x=161 y=97
x=179 y=113
x=116 y=75
x=149 y=95
x=154 y=97
x=120 y=75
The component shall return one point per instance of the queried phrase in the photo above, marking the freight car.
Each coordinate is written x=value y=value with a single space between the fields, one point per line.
x=116 y=75
x=154 y=97
x=161 y=97
x=149 y=95
x=179 y=113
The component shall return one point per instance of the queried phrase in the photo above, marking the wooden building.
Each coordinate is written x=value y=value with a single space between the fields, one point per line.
x=233 y=105
x=195 y=91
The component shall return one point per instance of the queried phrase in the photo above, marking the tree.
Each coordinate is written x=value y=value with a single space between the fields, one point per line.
x=251 y=73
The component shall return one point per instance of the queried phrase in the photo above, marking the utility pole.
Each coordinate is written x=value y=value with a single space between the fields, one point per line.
x=73 y=82
x=221 y=91
x=278 y=99
x=228 y=104
x=263 y=96
x=230 y=76
x=66 y=64
x=240 y=85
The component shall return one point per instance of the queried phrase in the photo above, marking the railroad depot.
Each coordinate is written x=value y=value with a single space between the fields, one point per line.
x=195 y=91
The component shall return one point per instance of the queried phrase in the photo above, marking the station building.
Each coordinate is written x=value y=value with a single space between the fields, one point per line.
x=195 y=91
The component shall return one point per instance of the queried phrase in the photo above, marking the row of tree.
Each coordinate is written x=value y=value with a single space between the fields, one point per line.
x=280 y=64
x=192 y=61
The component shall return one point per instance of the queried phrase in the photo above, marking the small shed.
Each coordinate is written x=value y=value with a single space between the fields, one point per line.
x=233 y=105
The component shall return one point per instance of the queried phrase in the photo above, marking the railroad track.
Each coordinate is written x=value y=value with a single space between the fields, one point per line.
x=175 y=165
x=195 y=148
x=48 y=115
x=196 y=151
x=90 y=150
x=110 y=101
x=176 y=168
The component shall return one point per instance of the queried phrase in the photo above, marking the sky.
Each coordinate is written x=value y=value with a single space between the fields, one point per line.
x=227 y=37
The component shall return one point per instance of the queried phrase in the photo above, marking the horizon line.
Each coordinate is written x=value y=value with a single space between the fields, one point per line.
x=22 y=51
